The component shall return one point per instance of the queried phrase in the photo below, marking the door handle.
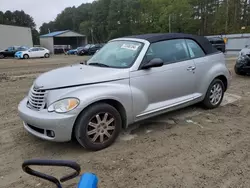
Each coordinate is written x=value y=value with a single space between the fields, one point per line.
x=191 y=68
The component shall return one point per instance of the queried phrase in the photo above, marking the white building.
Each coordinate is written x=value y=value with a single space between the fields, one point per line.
x=15 y=36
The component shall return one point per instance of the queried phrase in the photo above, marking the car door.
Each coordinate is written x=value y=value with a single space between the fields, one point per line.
x=163 y=87
x=32 y=52
x=9 y=52
x=92 y=49
x=41 y=52
x=202 y=63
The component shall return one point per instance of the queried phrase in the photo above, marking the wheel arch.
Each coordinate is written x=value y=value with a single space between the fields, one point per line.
x=112 y=102
x=224 y=80
x=26 y=54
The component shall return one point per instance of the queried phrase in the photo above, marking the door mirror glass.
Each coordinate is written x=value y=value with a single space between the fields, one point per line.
x=156 y=62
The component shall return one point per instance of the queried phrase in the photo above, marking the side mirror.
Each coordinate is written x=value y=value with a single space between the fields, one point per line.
x=156 y=62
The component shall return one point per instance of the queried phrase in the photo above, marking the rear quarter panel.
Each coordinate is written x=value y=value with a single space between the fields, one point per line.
x=207 y=69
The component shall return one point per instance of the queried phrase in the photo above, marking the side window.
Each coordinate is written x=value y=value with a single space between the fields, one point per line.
x=194 y=49
x=10 y=49
x=169 y=51
x=33 y=49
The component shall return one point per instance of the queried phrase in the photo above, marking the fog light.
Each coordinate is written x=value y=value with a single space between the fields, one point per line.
x=50 y=133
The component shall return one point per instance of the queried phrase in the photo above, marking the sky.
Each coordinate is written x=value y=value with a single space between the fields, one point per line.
x=41 y=11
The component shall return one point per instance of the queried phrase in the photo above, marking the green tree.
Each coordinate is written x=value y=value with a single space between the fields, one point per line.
x=114 y=18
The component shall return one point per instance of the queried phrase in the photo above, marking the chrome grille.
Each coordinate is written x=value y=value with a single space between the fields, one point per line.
x=36 y=99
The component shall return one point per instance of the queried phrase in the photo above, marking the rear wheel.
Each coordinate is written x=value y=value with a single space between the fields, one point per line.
x=98 y=126
x=26 y=56
x=214 y=95
x=46 y=55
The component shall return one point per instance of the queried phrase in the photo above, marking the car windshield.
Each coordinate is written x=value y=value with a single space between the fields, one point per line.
x=117 y=54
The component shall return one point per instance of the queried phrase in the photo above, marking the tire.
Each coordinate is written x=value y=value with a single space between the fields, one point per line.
x=46 y=55
x=218 y=87
x=96 y=137
x=75 y=53
x=1 y=56
x=26 y=56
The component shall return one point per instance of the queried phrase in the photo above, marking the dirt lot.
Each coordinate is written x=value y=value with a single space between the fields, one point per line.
x=187 y=148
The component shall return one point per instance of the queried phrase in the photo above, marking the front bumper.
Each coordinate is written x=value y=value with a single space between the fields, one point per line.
x=18 y=56
x=45 y=125
x=242 y=68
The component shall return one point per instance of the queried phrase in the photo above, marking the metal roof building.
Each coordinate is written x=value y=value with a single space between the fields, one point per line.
x=15 y=36
x=61 y=39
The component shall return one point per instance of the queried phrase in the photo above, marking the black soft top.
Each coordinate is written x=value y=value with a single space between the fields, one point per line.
x=156 y=37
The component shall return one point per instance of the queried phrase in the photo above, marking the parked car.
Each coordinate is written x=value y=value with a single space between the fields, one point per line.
x=33 y=53
x=89 y=49
x=218 y=43
x=242 y=66
x=74 y=51
x=130 y=79
x=10 y=52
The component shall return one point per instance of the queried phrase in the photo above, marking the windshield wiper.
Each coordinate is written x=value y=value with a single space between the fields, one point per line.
x=99 y=64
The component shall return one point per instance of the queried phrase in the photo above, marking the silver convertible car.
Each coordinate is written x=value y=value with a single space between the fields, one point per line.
x=130 y=79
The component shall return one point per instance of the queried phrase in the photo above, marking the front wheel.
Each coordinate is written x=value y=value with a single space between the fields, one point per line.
x=1 y=56
x=26 y=56
x=214 y=95
x=98 y=126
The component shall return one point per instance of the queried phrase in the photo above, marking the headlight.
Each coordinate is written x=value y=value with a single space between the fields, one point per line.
x=64 y=105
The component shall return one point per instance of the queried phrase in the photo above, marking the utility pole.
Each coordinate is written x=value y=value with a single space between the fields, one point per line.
x=92 y=35
x=226 y=26
x=169 y=23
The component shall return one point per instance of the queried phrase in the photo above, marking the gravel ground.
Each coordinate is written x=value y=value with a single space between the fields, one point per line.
x=187 y=148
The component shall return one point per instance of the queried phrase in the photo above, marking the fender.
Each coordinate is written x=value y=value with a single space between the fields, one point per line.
x=118 y=91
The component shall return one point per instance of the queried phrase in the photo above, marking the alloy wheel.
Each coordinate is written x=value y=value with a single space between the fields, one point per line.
x=101 y=128
x=216 y=94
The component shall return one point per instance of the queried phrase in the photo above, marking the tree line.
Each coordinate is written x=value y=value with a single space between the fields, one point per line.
x=103 y=20
x=107 y=19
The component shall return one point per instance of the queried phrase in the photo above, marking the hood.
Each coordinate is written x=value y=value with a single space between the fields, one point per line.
x=76 y=75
